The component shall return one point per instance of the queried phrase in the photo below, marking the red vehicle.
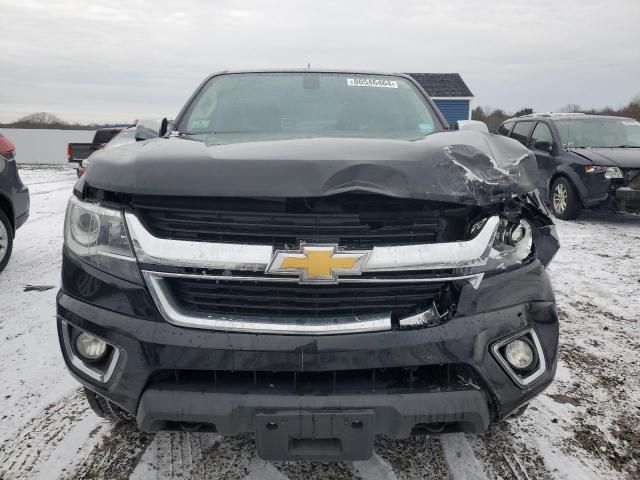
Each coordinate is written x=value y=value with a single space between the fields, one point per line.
x=7 y=148
x=14 y=199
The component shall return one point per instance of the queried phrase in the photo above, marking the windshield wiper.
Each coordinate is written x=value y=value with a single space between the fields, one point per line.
x=613 y=146
x=219 y=132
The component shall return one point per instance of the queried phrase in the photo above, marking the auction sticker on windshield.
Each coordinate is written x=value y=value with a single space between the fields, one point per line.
x=371 y=82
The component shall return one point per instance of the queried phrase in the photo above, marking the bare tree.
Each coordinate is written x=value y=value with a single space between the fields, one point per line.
x=570 y=108
x=41 y=119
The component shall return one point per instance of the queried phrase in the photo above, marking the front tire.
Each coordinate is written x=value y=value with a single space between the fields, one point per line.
x=565 y=202
x=6 y=240
x=105 y=408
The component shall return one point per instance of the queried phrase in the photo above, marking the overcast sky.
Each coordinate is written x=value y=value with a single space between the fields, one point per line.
x=119 y=60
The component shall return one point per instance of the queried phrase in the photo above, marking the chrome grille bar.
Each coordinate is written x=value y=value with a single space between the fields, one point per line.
x=174 y=314
x=152 y=250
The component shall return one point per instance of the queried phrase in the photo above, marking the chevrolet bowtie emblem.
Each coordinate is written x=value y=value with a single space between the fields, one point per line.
x=317 y=263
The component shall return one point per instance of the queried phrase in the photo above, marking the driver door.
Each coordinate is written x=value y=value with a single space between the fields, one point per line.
x=545 y=157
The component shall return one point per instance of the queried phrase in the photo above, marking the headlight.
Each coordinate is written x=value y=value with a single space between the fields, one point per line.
x=97 y=235
x=513 y=244
x=609 y=172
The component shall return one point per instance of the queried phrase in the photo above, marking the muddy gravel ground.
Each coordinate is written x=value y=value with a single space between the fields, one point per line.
x=585 y=426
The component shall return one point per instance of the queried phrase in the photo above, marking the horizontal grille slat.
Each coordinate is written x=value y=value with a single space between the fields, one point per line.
x=390 y=227
x=215 y=299
x=266 y=231
x=303 y=309
x=354 y=221
x=305 y=291
x=309 y=301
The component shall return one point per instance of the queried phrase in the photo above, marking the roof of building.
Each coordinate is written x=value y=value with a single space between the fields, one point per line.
x=443 y=84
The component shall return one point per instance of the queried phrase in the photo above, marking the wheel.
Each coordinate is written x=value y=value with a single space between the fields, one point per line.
x=565 y=202
x=106 y=409
x=6 y=240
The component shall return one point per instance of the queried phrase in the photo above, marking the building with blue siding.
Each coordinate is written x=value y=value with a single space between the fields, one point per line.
x=449 y=92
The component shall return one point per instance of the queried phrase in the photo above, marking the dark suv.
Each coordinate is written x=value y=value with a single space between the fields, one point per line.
x=584 y=160
x=14 y=200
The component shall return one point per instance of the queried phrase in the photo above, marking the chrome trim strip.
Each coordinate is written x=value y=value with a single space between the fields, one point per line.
x=471 y=253
x=87 y=369
x=542 y=364
x=172 y=313
x=474 y=279
x=181 y=253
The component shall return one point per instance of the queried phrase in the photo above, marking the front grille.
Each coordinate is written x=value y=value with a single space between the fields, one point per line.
x=355 y=221
x=371 y=380
x=305 y=301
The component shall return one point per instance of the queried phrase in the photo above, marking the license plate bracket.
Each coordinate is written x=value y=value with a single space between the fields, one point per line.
x=315 y=435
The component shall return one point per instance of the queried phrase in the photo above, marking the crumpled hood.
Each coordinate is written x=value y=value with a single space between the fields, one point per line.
x=611 y=157
x=467 y=167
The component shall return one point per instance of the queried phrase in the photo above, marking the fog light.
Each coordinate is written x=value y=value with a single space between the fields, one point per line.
x=90 y=348
x=519 y=354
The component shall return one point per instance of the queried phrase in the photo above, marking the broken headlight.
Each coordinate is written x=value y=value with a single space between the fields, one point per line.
x=512 y=245
x=98 y=236
x=609 y=172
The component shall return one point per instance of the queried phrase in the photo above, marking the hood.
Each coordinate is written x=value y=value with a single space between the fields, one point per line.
x=467 y=167
x=611 y=157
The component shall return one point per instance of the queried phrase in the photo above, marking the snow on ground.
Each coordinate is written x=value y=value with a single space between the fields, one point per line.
x=585 y=426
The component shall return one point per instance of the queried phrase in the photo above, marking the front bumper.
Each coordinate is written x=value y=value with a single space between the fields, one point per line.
x=627 y=199
x=124 y=315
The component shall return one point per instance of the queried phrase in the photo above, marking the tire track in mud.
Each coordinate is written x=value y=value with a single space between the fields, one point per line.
x=207 y=456
x=114 y=457
x=35 y=441
x=415 y=457
x=308 y=470
x=375 y=468
x=460 y=458
x=175 y=455
x=505 y=454
x=229 y=458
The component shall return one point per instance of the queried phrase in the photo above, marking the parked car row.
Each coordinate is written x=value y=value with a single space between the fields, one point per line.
x=583 y=160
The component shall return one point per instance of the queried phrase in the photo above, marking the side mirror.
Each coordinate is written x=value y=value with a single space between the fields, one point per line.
x=164 y=123
x=476 y=125
x=146 y=129
x=543 y=145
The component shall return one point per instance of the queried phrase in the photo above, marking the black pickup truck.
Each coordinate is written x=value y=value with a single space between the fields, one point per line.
x=314 y=257
x=80 y=151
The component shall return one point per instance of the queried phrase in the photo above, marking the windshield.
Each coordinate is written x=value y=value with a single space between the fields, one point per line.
x=599 y=132
x=275 y=106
